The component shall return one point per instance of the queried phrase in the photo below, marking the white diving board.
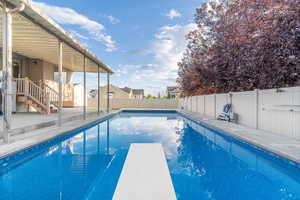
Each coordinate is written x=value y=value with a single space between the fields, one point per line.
x=145 y=175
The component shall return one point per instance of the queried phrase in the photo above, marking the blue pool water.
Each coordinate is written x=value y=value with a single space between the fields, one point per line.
x=203 y=164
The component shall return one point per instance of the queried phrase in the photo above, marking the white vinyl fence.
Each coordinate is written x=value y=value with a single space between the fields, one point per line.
x=136 y=103
x=275 y=110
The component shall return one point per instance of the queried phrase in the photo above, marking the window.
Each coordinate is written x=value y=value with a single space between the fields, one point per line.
x=111 y=95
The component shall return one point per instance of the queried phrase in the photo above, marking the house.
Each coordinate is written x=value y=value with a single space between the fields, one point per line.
x=38 y=61
x=41 y=76
x=134 y=93
x=119 y=93
x=41 y=53
x=138 y=93
x=115 y=92
x=173 y=92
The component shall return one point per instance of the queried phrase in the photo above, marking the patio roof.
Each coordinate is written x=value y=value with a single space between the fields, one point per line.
x=36 y=36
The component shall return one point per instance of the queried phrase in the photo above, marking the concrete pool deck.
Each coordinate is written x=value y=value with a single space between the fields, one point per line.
x=30 y=121
x=31 y=138
x=282 y=145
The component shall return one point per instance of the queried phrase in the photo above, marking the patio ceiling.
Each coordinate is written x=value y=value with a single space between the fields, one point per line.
x=37 y=36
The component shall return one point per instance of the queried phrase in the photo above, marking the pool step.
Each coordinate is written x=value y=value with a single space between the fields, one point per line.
x=145 y=175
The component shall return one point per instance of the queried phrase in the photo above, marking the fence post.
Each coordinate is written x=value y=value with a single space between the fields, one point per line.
x=193 y=101
x=192 y=98
x=215 y=106
x=194 y=104
x=186 y=103
x=204 y=110
x=256 y=94
x=230 y=98
x=196 y=99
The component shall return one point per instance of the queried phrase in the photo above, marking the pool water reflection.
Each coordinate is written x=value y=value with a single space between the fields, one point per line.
x=203 y=164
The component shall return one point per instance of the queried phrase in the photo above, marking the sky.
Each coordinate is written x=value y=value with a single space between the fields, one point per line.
x=141 y=40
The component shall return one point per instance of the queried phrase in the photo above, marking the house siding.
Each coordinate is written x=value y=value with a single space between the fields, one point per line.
x=48 y=71
x=115 y=91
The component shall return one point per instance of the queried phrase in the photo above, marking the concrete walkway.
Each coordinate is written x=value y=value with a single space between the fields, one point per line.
x=282 y=145
x=25 y=122
x=28 y=139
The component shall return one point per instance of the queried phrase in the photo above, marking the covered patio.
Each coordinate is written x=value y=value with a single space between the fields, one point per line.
x=26 y=32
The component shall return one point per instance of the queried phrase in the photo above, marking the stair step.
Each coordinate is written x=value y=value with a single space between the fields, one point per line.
x=31 y=94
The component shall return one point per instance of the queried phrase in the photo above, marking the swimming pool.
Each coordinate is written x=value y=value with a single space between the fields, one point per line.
x=203 y=163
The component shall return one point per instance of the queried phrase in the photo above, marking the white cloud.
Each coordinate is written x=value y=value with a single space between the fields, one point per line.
x=112 y=19
x=167 y=50
x=172 y=14
x=64 y=15
x=78 y=35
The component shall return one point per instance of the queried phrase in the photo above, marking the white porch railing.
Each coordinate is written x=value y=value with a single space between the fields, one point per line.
x=68 y=92
x=35 y=93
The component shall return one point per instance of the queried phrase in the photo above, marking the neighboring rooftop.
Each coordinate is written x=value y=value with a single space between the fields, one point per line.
x=126 y=89
x=134 y=91
x=138 y=92
x=172 y=89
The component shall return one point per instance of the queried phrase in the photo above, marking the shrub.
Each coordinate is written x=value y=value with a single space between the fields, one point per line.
x=242 y=45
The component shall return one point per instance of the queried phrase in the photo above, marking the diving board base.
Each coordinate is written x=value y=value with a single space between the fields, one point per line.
x=145 y=175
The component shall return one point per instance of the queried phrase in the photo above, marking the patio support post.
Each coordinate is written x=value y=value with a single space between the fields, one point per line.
x=7 y=71
x=60 y=88
x=84 y=88
x=108 y=92
x=98 y=100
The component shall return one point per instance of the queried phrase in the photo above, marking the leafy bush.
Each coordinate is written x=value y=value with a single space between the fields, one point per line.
x=242 y=45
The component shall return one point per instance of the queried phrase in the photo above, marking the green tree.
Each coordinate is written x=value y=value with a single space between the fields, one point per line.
x=149 y=96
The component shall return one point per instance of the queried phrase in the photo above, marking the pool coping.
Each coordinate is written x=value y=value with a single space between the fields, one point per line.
x=44 y=135
x=278 y=148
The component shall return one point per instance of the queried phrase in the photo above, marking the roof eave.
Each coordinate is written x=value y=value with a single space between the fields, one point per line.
x=53 y=28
